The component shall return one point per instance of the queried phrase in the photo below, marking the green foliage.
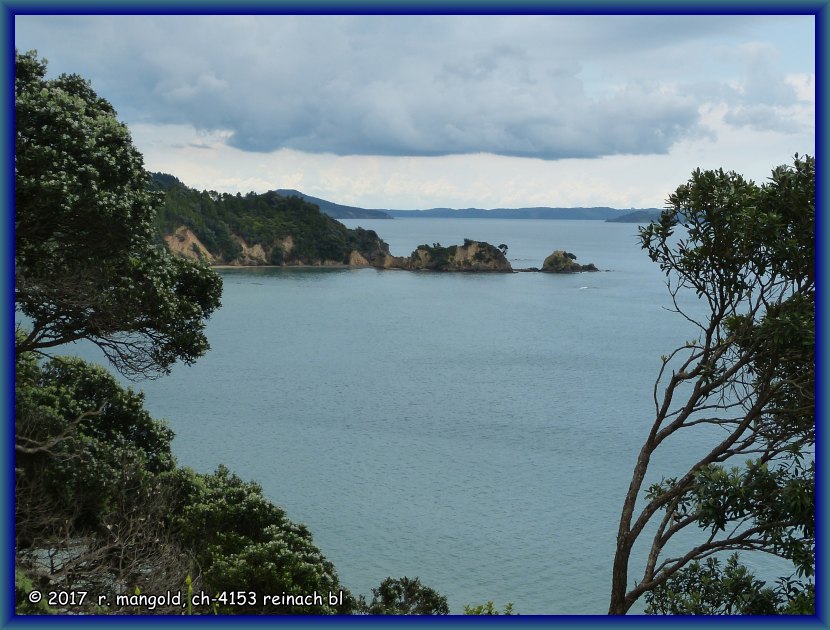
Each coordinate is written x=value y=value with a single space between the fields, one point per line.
x=489 y=609
x=79 y=436
x=87 y=261
x=751 y=241
x=94 y=483
x=747 y=252
x=438 y=257
x=22 y=605
x=266 y=220
x=92 y=466
x=244 y=542
x=100 y=504
x=709 y=588
x=405 y=596
x=706 y=589
x=277 y=255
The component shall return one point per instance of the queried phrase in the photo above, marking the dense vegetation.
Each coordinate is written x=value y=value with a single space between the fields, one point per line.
x=747 y=252
x=471 y=256
x=261 y=219
x=405 y=596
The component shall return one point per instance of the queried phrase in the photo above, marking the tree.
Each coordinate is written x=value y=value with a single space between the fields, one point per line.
x=76 y=431
x=87 y=264
x=95 y=485
x=747 y=253
x=706 y=589
x=405 y=596
x=243 y=542
x=489 y=609
x=100 y=502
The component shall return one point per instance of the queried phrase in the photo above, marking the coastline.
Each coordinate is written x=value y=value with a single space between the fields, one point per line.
x=344 y=266
x=333 y=266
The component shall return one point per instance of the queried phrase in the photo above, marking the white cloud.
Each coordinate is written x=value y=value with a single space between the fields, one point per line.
x=390 y=85
x=411 y=111
x=804 y=85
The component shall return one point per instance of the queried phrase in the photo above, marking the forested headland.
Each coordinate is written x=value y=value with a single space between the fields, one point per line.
x=256 y=228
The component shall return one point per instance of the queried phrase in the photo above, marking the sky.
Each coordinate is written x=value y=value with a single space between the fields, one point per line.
x=410 y=112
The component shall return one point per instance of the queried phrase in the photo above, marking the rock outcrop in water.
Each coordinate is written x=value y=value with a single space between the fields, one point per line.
x=472 y=256
x=561 y=261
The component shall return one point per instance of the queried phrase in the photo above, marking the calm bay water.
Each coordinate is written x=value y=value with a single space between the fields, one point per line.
x=475 y=430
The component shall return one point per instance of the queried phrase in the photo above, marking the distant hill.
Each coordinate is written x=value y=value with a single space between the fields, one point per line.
x=647 y=215
x=335 y=210
x=596 y=213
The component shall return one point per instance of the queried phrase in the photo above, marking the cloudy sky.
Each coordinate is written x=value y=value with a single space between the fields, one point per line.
x=460 y=111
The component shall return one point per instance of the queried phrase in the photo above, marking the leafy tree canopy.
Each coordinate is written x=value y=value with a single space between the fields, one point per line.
x=405 y=596
x=747 y=252
x=87 y=262
x=489 y=609
x=243 y=541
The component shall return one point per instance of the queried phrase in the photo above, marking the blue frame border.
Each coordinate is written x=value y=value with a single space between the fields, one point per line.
x=9 y=8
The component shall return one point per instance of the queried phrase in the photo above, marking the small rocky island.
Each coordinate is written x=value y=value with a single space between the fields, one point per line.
x=561 y=261
x=471 y=256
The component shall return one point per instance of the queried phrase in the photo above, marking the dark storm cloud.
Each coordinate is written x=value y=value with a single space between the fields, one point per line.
x=389 y=85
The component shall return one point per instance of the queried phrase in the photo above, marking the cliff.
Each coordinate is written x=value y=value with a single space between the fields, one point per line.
x=271 y=229
x=183 y=242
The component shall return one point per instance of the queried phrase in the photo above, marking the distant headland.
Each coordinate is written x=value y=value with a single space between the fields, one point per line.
x=286 y=228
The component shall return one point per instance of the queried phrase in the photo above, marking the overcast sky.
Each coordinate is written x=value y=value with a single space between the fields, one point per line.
x=459 y=111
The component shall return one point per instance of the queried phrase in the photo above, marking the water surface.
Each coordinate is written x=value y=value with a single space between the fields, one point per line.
x=475 y=430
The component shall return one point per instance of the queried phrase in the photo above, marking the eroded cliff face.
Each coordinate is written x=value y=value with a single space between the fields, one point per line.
x=251 y=255
x=471 y=256
x=356 y=259
x=478 y=256
x=183 y=242
x=287 y=245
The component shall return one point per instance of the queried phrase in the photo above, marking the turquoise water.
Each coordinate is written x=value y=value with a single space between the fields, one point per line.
x=475 y=430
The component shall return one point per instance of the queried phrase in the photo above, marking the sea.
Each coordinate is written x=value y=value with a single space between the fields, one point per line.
x=475 y=430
